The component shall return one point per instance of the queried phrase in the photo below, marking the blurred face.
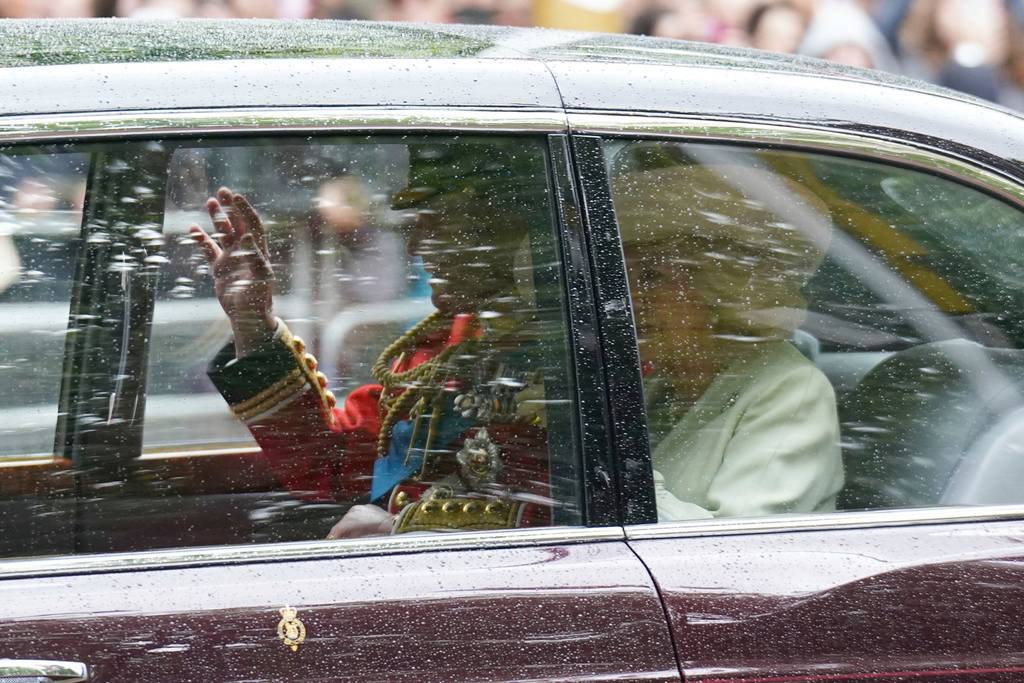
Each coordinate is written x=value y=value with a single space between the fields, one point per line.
x=851 y=55
x=732 y=12
x=780 y=30
x=468 y=248
x=46 y=9
x=341 y=203
x=687 y=21
x=980 y=24
x=674 y=326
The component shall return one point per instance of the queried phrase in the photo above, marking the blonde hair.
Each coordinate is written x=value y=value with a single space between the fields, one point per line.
x=749 y=238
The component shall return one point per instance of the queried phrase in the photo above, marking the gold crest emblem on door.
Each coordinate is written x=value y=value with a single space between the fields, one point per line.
x=290 y=630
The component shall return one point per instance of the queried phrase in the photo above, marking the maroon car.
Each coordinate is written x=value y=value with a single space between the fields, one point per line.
x=648 y=361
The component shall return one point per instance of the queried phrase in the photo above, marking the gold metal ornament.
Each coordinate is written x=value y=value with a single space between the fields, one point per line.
x=479 y=461
x=460 y=512
x=290 y=630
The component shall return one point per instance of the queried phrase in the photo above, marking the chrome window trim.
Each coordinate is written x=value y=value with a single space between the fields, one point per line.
x=810 y=138
x=824 y=521
x=178 y=558
x=157 y=124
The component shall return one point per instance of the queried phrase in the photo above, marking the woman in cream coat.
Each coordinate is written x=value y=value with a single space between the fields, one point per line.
x=718 y=246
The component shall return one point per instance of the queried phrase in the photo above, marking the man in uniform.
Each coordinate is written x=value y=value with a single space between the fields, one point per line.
x=442 y=440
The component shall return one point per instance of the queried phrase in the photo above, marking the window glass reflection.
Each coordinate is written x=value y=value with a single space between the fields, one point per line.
x=717 y=251
x=820 y=333
x=41 y=195
x=395 y=353
x=411 y=373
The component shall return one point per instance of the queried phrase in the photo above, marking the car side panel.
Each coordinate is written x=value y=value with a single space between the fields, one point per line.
x=937 y=604
x=562 y=612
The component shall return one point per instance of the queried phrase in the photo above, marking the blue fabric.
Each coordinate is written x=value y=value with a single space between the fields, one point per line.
x=393 y=469
x=418 y=277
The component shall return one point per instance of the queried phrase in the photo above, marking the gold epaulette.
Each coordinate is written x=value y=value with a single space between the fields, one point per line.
x=302 y=377
x=459 y=513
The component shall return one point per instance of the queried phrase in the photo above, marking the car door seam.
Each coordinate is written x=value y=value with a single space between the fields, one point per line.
x=676 y=651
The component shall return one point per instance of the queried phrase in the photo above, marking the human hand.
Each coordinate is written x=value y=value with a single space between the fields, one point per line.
x=362 y=520
x=240 y=264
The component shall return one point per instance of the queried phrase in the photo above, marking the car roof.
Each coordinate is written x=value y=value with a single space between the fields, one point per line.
x=111 y=41
x=105 y=65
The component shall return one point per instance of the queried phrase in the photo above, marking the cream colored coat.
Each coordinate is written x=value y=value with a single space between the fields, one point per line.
x=762 y=439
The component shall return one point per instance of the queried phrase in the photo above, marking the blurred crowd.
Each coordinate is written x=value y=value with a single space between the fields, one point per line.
x=975 y=46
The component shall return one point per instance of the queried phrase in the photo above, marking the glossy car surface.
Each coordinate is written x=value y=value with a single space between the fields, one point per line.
x=924 y=589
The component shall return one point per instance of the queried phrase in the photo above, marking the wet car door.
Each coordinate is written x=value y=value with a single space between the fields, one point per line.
x=185 y=546
x=861 y=523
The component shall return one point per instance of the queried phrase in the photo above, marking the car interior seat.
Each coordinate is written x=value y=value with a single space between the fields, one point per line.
x=936 y=424
x=807 y=344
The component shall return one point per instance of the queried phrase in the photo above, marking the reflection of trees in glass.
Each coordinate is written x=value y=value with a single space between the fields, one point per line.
x=962 y=249
x=958 y=250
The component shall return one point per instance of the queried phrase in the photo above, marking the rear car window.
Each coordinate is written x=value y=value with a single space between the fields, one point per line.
x=821 y=333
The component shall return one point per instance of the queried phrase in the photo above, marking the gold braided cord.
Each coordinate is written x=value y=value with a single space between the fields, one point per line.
x=382 y=367
x=419 y=382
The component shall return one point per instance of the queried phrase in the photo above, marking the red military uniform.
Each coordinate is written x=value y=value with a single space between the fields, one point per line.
x=479 y=462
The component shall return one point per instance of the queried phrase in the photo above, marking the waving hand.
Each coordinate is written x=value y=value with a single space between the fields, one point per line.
x=240 y=263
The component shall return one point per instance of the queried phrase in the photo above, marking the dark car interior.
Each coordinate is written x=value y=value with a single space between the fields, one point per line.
x=925 y=356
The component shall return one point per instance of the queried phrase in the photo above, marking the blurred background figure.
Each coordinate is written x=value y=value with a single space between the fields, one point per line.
x=969 y=45
x=369 y=256
x=46 y=9
x=417 y=11
x=205 y=9
x=776 y=27
x=733 y=17
x=682 y=19
x=843 y=31
x=156 y=9
x=975 y=46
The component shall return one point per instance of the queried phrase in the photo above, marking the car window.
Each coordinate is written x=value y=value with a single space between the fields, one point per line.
x=820 y=333
x=41 y=205
x=413 y=375
x=41 y=195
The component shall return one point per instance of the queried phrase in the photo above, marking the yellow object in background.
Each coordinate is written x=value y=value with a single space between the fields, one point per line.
x=581 y=15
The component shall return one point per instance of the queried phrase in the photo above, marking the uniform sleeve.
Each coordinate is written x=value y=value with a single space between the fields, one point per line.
x=783 y=455
x=315 y=448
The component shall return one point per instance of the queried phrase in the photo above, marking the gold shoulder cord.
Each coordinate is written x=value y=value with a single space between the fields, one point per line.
x=414 y=389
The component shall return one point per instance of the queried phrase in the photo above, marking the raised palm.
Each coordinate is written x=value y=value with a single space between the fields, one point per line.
x=240 y=263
